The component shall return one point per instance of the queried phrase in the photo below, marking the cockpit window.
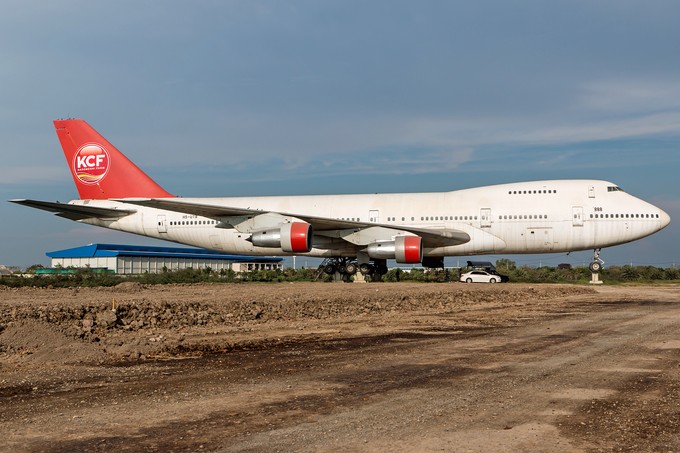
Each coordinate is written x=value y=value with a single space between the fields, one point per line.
x=614 y=189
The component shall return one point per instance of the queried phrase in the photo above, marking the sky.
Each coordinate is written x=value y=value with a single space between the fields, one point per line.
x=248 y=97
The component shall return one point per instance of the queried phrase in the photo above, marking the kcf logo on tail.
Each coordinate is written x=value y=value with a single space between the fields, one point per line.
x=91 y=163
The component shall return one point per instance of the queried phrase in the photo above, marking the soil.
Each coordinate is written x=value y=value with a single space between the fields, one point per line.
x=340 y=367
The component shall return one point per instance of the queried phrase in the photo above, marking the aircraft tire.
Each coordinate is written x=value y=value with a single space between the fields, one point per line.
x=595 y=267
x=366 y=269
x=350 y=268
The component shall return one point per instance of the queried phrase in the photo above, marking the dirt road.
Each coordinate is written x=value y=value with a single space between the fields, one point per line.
x=332 y=367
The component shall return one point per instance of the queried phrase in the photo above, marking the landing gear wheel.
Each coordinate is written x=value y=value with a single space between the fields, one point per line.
x=329 y=269
x=366 y=269
x=595 y=267
x=350 y=268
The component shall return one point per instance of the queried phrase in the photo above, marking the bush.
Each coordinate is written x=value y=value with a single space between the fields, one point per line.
x=524 y=274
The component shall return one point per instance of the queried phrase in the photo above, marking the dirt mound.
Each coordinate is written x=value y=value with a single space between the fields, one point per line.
x=41 y=343
x=134 y=320
x=91 y=310
x=129 y=287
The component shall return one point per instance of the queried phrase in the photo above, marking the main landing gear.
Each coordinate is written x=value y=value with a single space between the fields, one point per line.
x=347 y=267
x=596 y=267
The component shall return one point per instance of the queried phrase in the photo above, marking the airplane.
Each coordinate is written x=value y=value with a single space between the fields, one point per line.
x=355 y=233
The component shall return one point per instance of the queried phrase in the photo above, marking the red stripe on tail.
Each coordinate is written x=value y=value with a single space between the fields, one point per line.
x=99 y=170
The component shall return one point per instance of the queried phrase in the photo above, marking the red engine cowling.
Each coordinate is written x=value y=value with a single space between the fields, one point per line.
x=404 y=249
x=295 y=237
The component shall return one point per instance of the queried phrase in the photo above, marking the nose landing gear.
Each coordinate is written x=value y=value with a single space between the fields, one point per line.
x=596 y=267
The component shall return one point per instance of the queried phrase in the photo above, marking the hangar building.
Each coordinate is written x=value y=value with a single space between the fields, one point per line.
x=137 y=259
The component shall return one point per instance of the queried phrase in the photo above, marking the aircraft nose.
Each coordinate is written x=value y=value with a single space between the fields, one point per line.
x=665 y=219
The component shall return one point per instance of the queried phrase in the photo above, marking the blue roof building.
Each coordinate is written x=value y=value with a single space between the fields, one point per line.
x=138 y=259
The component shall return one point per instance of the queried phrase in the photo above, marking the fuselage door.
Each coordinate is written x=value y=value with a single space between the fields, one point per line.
x=485 y=215
x=591 y=191
x=162 y=224
x=374 y=216
x=577 y=212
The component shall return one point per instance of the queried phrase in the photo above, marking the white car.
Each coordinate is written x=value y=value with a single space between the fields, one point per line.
x=480 y=277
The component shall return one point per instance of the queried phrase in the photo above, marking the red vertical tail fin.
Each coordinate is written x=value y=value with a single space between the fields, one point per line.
x=99 y=170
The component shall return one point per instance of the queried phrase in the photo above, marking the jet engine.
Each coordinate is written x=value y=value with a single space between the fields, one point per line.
x=295 y=237
x=404 y=249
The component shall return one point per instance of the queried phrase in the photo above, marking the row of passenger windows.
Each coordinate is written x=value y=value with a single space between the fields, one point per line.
x=441 y=217
x=524 y=192
x=193 y=222
x=524 y=216
x=425 y=218
x=457 y=218
x=468 y=218
x=624 y=216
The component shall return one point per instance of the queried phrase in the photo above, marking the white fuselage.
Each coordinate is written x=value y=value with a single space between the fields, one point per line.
x=531 y=217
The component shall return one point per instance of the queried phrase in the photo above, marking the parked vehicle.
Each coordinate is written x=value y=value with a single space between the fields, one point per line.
x=480 y=277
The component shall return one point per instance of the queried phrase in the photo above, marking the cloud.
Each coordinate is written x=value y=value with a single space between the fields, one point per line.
x=611 y=129
x=624 y=96
x=396 y=162
x=21 y=175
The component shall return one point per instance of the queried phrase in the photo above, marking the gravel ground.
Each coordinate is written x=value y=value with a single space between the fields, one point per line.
x=338 y=367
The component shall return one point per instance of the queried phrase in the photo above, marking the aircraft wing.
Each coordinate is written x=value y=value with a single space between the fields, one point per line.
x=432 y=237
x=203 y=210
x=74 y=211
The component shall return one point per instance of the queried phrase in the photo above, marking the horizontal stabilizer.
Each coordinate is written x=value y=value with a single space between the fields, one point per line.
x=74 y=211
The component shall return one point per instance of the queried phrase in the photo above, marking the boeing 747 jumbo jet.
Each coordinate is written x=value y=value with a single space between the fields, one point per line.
x=355 y=232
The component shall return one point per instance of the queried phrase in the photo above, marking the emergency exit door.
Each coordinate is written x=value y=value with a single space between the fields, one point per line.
x=485 y=215
x=162 y=224
x=577 y=213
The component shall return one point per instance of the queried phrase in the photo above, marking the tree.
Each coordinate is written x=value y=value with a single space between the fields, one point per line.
x=505 y=264
x=31 y=269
